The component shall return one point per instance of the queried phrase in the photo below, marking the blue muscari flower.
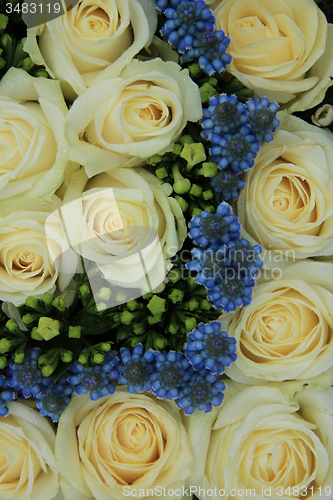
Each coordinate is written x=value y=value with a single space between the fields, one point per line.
x=170 y=375
x=186 y=21
x=226 y=183
x=95 y=379
x=202 y=391
x=234 y=291
x=244 y=258
x=210 y=264
x=209 y=49
x=210 y=348
x=6 y=394
x=224 y=115
x=236 y=151
x=136 y=368
x=262 y=118
x=210 y=228
x=26 y=376
x=54 y=400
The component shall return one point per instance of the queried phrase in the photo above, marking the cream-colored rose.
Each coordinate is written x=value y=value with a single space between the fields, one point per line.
x=28 y=254
x=126 y=222
x=93 y=40
x=287 y=203
x=120 y=121
x=107 y=449
x=286 y=333
x=265 y=443
x=28 y=468
x=33 y=148
x=281 y=50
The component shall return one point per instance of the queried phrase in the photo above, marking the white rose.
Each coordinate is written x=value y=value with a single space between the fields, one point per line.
x=286 y=333
x=28 y=254
x=92 y=40
x=33 y=148
x=112 y=226
x=287 y=203
x=108 y=448
x=280 y=50
x=120 y=121
x=28 y=468
x=265 y=443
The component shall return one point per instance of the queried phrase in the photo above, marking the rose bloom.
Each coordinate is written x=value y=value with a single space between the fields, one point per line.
x=28 y=468
x=112 y=226
x=131 y=441
x=94 y=39
x=281 y=50
x=287 y=203
x=267 y=443
x=120 y=121
x=287 y=330
x=27 y=255
x=33 y=148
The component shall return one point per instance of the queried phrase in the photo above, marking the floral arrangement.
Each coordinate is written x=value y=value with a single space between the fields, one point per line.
x=166 y=249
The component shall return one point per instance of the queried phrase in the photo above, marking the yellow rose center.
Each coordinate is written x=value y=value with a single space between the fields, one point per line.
x=93 y=22
x=288 y=325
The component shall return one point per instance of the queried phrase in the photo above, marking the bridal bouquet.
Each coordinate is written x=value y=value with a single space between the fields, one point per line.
x=166 y=249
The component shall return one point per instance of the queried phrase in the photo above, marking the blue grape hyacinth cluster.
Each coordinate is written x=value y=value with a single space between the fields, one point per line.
x=236 y=131
x=226 y=264
x=190 y=29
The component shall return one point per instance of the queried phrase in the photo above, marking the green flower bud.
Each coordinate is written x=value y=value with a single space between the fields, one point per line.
x=132 y=305
x=47 y=370
x=181 y=185
x=161 y=173
x=147 y=296
x=196 y=211
x=47 y=299
x=156 y=318
x=84 y=357
x=6 y=40
x=35 y=335
x=3 y=362
x=190 y=324
x=159 y=342
x=84 y=291
x=60 y=304
x=177 y=149
x=40 y=72
x=173 y=326
x=6 y=345
x=213 y=81
x=207 y=91
x=126 y=317
x=186 y=139
x=104 y=346
x=156 y=305
x=205 y=305
x=26 y=64
x=2 y=61
x=209 y=169
x=182 y=203
x=66 y=356
x=153 y=160
x=208 y=194
x=176 y=295
x=48 y=328
x=29 y=318
x=196 y=190
x=19 y=357
x=11 y=325
x=139 y=328
x=193 y=154
x=32 y=302
x=194 y=70
x=192 y=304
x=74 y=332
x=98 y=358
x=174 y=275
x=3 y=21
